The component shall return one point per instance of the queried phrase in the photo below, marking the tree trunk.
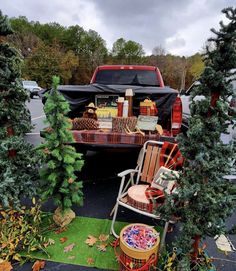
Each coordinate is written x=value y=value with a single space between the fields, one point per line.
x=195 y=246
x=214 y=99
x=10 y=132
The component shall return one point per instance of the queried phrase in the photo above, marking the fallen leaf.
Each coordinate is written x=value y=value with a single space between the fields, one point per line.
x=4 y=245
x=17 y=257
x=60 y=230
x=71 y=257
x=103 y=237
x=46 y=244
x=38 y=265
x=69 y=247
x=90 y=261
x=5 y=266
x=102 y=247
x=51 y=242
x=63 y=240
x=91 y=240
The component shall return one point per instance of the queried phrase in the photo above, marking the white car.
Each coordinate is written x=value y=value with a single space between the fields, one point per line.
x=185 y=98
x=32 y=87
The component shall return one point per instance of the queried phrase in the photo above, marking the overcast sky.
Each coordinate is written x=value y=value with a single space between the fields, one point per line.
x=180 y=26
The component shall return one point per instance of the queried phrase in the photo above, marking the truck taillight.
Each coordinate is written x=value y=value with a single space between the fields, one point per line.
x=176 y=116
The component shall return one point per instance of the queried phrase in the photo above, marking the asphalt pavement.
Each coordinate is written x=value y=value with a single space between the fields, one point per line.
x=100 y=190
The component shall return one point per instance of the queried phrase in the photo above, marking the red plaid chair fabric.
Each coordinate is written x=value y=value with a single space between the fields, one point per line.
x=171 y=156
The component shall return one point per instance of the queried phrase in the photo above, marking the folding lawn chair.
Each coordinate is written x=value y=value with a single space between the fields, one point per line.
x=152 y=156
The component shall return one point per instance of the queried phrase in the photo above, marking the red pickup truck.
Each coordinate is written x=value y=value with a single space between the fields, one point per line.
x=113 y=80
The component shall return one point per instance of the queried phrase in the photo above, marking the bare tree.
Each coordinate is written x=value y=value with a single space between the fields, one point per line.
x=159 y=50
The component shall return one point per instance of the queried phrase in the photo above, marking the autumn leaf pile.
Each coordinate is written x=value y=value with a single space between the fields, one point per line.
x=20 y=230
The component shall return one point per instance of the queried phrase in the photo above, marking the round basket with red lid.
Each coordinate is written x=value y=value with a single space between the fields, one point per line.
x=139 y=245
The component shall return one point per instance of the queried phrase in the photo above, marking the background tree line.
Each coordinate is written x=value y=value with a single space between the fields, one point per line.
x=73 y=54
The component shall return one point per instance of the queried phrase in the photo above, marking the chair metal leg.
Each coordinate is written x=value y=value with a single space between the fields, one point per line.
x=112 y=231
x=112 y=211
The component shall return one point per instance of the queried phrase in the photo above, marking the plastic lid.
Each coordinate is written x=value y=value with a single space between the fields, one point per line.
x=140 y=237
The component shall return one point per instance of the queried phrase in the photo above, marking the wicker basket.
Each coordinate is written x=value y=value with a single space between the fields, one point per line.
x=84 y=124
x=119 y=124
x=137 y=259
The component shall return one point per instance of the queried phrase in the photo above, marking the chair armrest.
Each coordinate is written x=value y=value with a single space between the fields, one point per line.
x=126 y=172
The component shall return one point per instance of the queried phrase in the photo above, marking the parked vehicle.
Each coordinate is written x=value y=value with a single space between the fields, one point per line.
x=32 y=87
x=185 y=98
x=110 y=82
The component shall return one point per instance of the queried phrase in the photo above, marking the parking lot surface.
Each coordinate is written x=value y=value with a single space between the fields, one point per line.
x=100 y=190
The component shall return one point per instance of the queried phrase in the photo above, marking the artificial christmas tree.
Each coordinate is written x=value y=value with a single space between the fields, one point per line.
x=205 y=199
x=18 y=163
x=58 y=176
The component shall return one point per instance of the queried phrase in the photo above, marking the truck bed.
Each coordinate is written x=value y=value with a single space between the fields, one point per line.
x=80 y=96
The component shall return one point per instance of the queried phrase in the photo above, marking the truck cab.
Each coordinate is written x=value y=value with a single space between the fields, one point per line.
x=127 y=75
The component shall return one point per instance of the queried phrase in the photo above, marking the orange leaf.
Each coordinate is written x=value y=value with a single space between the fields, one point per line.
x=4 y=245
x=5 y=266
x=91 y=240
x=102 y=247
x=69 y=248
x=38 y=265
x=49 y=243
x=63 y=239
x=103 y=237
x=46 y=244
x=90 y=261
x=60 y=230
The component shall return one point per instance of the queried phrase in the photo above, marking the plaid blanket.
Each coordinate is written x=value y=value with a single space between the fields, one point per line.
x=101 y=137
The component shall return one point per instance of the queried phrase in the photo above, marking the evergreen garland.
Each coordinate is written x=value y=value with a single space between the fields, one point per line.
x=204 y=199
x=18 y=164
x=58 y=176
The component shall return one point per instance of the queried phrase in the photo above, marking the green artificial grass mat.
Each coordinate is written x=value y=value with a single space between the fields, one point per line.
x=77 y=232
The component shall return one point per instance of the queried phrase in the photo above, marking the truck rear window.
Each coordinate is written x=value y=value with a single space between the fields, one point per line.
x=127 y=77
